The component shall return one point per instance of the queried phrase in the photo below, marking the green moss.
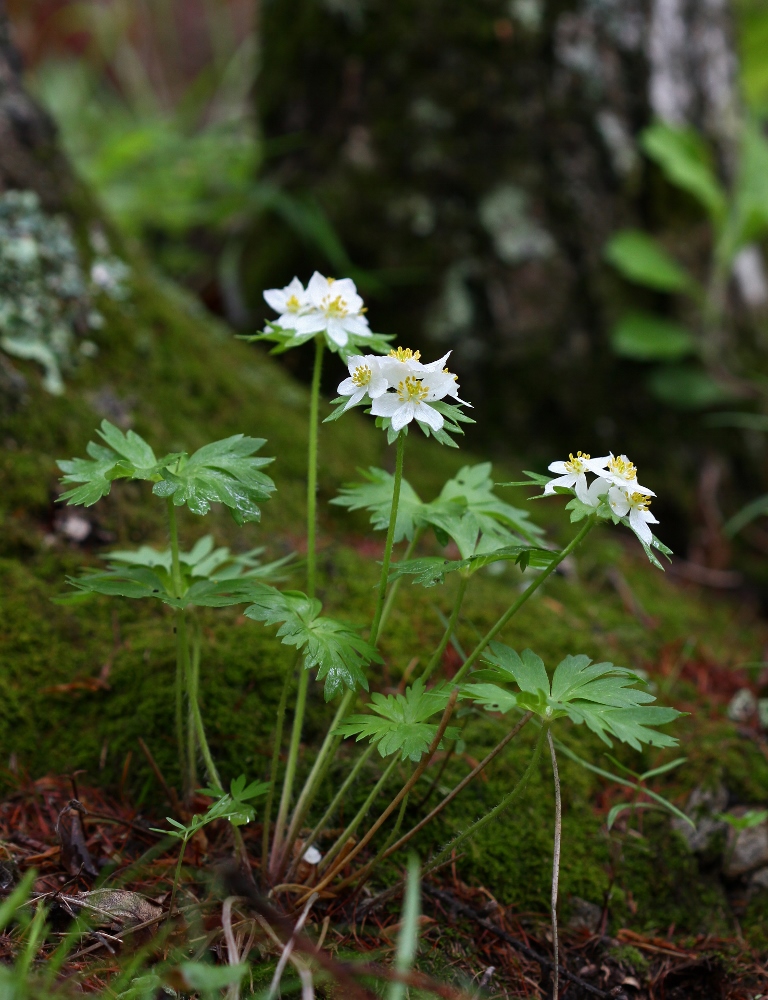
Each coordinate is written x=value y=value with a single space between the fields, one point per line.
x=629 y=957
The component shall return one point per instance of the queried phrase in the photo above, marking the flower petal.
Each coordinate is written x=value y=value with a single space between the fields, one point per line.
x=428 y=415
x=386 y=405
x=403 y=415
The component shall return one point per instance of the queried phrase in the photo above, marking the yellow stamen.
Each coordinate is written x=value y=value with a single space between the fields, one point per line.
x=293 y=305
x=410 y=390
x=405 y=354
x=361 y=375
x=454 y=377
x=621 y=466
x=334 y=307
x=577 y=465
x=639 y=501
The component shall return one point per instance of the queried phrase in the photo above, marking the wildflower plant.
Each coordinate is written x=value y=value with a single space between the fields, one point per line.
x=400 y=391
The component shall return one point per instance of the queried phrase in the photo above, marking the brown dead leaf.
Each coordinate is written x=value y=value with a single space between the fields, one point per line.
x=75 y=856
x=115 y=907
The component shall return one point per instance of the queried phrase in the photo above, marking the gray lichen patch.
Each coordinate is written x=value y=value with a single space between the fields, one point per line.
x=46 y=298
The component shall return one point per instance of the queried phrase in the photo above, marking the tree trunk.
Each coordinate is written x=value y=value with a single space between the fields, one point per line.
x=475 y=159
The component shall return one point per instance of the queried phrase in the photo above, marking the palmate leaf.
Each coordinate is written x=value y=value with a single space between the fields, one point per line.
x=400 y=723
x=466 y=511
x=222 y=472
x=337 y=650
x=285 y=340
x=604 y=697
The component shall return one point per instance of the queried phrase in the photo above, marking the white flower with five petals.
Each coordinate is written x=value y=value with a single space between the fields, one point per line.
x=573 y=474
x=333 y=308
x=637 y=506
x=290 y=302
x=411 y=399
x=618 y=470
x=365 y=379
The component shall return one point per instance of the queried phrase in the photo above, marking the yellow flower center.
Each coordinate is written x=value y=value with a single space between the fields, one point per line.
x=334 y=307
x=405 y=354
x=410 y=390
x=361 y=375
x=621 y=466
x=639 y=501
x=578 y=463
x=292 y=305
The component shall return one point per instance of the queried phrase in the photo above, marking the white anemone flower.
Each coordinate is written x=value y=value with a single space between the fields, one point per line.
x=573 y=474
x=289 y=302
x=637 y=506
x=596 y=493
x=333 y=308
x=411 y=401
x=365 y=379
x=401 y=363
x=621 y=472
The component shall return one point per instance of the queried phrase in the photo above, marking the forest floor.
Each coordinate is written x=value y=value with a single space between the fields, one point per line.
x=76 y=837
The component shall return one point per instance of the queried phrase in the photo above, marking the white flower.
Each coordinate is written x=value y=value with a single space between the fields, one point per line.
x=595 y=495
x=573 y=473
x=289 y=302
x=401 y=363
x=365 y=378
x=636 y=505
x=334 y=308
x=621 y=472
x=411 y=400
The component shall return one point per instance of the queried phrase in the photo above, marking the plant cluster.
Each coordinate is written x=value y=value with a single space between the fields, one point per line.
x=467 y=518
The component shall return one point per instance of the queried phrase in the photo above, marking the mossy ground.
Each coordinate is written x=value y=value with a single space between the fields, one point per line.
x=184 y=380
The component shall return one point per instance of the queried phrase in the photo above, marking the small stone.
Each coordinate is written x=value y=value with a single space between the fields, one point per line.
x=703 y=806
x=759 y=880
x=742 y=706
x=584 y=916
x=746 y=851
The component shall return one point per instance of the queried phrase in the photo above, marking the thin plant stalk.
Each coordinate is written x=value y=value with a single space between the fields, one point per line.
x=278 y=739
x=280 y=851
x=182 y=652
x=437 y=656
x=301 y=695
x=508 y=799
x=197 y=718
x=460 y=787
x=177 y=875
x=384 y=580
x=526 y=594
x=193 y=686
x=392 y=835
x=178 y=589
x=555 y=864
x=420 y=769
x=320 y=825
x=390 y=601
x=357 y=819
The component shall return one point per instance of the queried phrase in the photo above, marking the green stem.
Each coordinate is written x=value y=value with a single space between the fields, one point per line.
x=393 y=834
x=314 y=407
x=290 y=767
x=193 y=686
x=377 y=615
x=390 y=601
x=320 y=826
x=315 y=778
x=278 y=739
x=197 y=719
x=181 y=651
x=526 y=594
x=301 y=694
x=358 y=817
x=497 y=810
x=437 y=656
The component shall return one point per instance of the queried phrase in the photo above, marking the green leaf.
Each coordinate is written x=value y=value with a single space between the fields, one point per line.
x=747 y=514
x=430 y=570
x=211 y=978
x=686 y=162
x=526 y=669
x=648 y=338
x=285 y=340
x=492 y=697
x=336 y=649
x=400 y=724
x=375 y=495
x=221 y=472
x=616 y=811
x=128 y=456
x=639 y=258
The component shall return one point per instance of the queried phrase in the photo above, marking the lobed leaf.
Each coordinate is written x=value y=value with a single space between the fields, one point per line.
x=335 y=648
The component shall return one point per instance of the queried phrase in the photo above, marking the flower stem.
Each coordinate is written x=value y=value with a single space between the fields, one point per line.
x=178 y=589
x=314 y=416
x=555 y=864
x=437 y=656
x=301 y=694
x=177 y=875
x=491 y=816
x=320 y=825
x=526 y=594
x=390 y=601
x=359 y=816
x=278 y=739
x=377 y=615
x=197 y=718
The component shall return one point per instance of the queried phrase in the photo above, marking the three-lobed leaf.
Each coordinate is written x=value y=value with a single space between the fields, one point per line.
x=337 y=650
